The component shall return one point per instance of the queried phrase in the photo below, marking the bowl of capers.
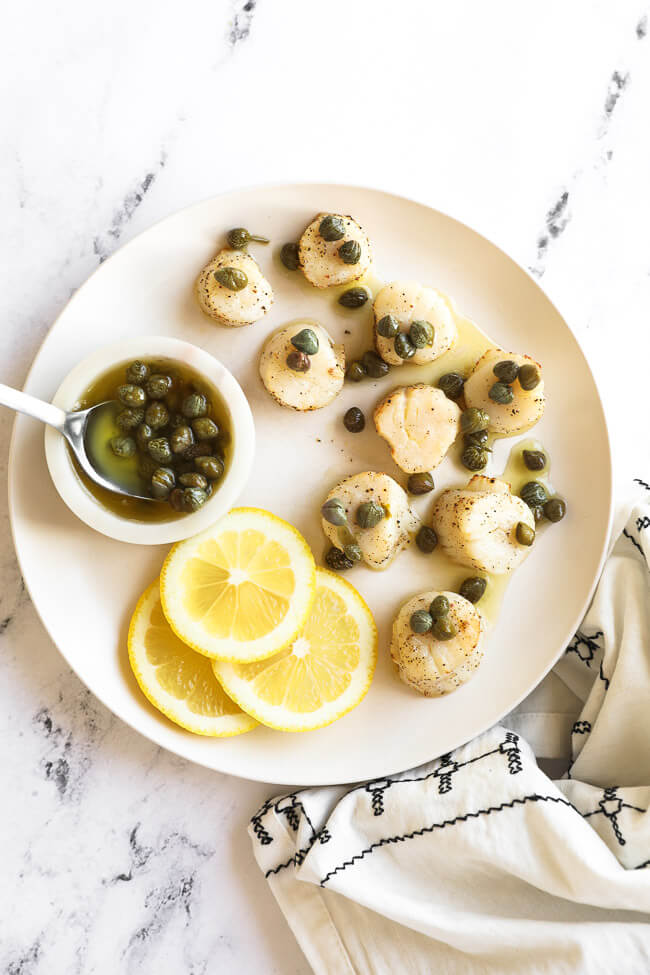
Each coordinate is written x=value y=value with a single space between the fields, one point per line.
x=179 y=434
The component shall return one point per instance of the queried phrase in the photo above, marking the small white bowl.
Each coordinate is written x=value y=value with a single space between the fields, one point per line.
x=86 y=507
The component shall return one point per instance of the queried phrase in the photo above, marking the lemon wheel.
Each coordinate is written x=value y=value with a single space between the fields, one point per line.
x=323 y=674
x=241 y=590
x=178 y=681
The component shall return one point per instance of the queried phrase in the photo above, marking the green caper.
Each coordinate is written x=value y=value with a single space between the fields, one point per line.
x=333 y=511
x=525 y=534
x=298 y=361
x=444 y=629
x=160 y=450
x=193 y=498
x=420 y=621
x=538 y=512
x=176 y=499
x=350 y=252
x=352 y=552
x=123 y=446
x=535 y=460
x=231 y=278
x=332 y=228
x=354 y=298
x=533 y=493
x=337 y=560
x=439 y=607
x=529 y=376
x=354 y=420
x=129 y=418
x=403 y=346
x=474 y=419
x=137 y=373
x=131 y=395
x=157 y=415
x=355 y=372
x=158 y=386
x=146 y=467
x=421 y=334
x=473 y=589
x=420 y=483
x=290 y=256
x=204 y=428
x=388 y=327
x=474 y=458
x=194 y=406
x=143 y=435
x=501 y=393
x=452 y=384
x=306 y=341
x=163 y=481
x=555 y=509
x=369 y=514
x=478 y=439
x=239 y=238
x=426 y=539
x=374 y=364
x=210 y=467
x=202 y=449
x=181 y=438
x=507 y=371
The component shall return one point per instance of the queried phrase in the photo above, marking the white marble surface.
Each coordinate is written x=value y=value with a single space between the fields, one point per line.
x=528 y=121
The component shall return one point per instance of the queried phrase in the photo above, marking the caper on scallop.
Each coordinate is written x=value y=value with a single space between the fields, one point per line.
x=332 y=228
x=350 y=252
x=354 y=298
x=306 y=341
x=131 y=395
x=194 y=406
x=181 y=439
x=420 y=483
x=388 y=326
x=477 y=439
x=473 y=589
x=501 y=393
x=193 y=479
x=129 y=418
x=239 y=238
x=506 y=370
x=137 y=373
x=204 y=428
x=156 y=415
x=555 y=509
x=355 y=372
x=231 y=278
x=143 y=435
x=369 y=514
x=211 y=467
x=290 y=256
x=352 y=552
x=529 y=376
x=158 y=385
x=333 y=511
x=474 y=419
x=123 y=446
x=533 y=493
x=160 y=450
x=443 y=629
x=439 y=607
x=525 y=534
x=337 y=560
x=374 y=365
x=421 y=334
x=403 y=346
x=298 y=361
x=163 y=482
x=420 y=621
x=354 y=420
x=452 y=384
x=474 y=458
x=426 y=539
x=535 y=460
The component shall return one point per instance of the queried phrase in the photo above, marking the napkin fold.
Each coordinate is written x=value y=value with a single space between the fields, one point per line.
x=477 y=862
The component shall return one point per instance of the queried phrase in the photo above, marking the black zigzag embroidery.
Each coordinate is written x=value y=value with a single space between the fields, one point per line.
x=642 y=523
x=637 y=480
x=611 y=807
x=581 y=728
x=376 y=790
x=585 y=646
x=633 y=540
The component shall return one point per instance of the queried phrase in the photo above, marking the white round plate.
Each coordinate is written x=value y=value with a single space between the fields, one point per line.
x=85 y=586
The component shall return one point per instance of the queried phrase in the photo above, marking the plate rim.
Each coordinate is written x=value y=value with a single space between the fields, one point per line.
x=316 y=185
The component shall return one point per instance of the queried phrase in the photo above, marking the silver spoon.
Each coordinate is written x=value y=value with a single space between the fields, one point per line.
x=73 y=426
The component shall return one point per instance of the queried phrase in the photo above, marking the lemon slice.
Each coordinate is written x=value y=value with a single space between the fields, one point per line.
x=325 y=672
x=242 y=589
x=177 y=681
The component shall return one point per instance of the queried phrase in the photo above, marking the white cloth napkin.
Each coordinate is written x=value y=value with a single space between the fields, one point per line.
x=478 y=862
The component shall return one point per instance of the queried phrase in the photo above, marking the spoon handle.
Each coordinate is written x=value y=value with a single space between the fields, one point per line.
x=38 y=408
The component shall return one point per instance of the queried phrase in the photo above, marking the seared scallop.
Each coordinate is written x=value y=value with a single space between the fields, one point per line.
x=478 y=525
x=526 y=406
x=380 y=543
x=432 y=666
x=420 y=424
x=309 y=390
x=407 y=303
x=230 y=306
x=323 y=262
